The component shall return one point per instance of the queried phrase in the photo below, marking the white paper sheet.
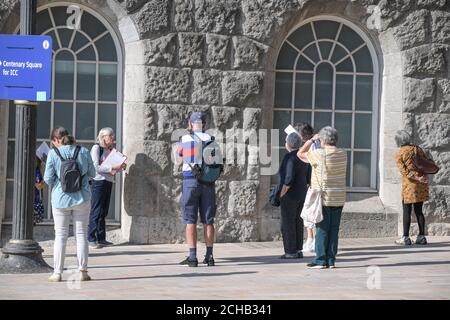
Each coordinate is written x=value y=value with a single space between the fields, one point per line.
x=114 y=158
x=42 y=151
x=290 y=129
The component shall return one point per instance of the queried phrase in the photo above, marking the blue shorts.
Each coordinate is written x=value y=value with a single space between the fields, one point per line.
x=197 y=197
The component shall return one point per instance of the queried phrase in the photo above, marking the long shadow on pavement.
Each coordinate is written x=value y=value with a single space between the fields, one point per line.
x=401 y=264
x=116 y=253
x=398 y=247
x=181 y=275
x=370 y=252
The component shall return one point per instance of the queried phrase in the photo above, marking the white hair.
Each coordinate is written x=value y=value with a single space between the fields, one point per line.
x=103 y=133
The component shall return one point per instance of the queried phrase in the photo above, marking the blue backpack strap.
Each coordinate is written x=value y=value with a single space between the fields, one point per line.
x=59 y=154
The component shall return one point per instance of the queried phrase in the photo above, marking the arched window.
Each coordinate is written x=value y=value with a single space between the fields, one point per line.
x=326 y=74
x=86 y=84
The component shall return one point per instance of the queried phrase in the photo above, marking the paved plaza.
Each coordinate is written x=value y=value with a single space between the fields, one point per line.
x=366 y=269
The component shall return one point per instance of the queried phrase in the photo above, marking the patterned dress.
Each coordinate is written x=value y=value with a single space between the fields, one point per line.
x=413 y=191
x=38 y=196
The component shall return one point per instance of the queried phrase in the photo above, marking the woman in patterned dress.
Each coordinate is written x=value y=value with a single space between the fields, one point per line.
x=414 y=187
x=38 y=193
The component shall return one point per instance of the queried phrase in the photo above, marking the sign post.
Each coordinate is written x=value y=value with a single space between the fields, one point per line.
x=22 y=254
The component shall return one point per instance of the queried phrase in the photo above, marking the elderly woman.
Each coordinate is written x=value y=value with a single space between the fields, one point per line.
x=329 y=165
x=101 y=187
x=414 y=187
x=294 y=177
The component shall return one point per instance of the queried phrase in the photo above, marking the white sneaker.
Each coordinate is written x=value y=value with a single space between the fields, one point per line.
x=55 y=277
x=307 y=245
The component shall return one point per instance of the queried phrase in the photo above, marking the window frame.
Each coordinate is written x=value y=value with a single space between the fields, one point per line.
x=119 y=98
x=375 y=88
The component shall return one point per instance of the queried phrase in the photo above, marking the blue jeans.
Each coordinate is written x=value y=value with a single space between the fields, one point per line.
x=327 y=236
x=195 y=198
x=101 y=195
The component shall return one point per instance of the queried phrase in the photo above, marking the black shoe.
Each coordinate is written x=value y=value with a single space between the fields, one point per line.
x=105 y=243
x=190 y=263
x=209 y=261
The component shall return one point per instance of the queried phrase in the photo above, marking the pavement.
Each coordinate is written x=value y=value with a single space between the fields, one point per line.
x=366 y=269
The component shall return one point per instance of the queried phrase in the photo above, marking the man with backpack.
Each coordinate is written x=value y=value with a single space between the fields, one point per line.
x=202 y=165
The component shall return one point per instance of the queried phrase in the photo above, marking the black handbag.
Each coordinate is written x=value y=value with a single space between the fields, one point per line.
x=274 y=197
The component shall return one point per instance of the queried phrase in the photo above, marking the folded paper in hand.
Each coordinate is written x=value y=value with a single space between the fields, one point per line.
x=42 y=151
x=113 y=159
x=290 y=129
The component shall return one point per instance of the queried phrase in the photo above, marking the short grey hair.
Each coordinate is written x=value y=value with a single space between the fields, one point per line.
x=329 y=135
x=402 y=138
x=294 y=141
x=102 y=134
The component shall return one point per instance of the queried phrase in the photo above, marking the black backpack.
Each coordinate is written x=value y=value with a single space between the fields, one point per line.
x=212 y=166
x=70 y=174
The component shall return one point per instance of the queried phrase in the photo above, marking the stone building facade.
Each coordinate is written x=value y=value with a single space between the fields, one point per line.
x=222 y=57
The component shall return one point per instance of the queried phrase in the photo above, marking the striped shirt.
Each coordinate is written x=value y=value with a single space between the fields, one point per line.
x=191 y=150
x=329 y=173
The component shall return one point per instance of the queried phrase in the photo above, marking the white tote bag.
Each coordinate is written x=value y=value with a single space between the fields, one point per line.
x=312 y=207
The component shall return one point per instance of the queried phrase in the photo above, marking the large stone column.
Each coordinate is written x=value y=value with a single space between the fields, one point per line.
x=22 y=254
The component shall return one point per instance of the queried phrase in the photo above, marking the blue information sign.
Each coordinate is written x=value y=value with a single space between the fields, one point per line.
x=25 y=67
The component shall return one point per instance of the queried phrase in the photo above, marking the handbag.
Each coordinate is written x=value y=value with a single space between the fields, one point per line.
x=423 y=164
x=274 y=197
x=312 y=207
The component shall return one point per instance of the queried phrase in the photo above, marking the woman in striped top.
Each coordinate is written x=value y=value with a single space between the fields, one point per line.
x=329 y=165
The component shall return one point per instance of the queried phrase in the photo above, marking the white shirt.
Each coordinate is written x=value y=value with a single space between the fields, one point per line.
x=102 y=170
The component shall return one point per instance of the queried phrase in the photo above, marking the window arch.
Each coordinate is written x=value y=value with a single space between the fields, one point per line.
x=326 y=74
x=86 y=85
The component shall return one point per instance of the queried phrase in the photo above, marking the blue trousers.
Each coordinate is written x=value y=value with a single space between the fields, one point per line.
x=101 y=195
x=327 y=236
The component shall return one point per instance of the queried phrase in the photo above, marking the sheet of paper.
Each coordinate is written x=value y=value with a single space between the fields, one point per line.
x=114 y=158
x=42 y=151
x=290 y=129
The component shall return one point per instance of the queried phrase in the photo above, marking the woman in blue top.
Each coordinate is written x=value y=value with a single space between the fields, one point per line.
x=66 y=205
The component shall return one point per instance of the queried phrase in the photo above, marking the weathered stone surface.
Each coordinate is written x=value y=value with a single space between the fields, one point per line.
x=140 y=192
x=140 y=121
x=391 y=10
x=184 y=15
x=437 y=209
x=242 y=88
x=424 y=60
x=444 y=95
x=216 y=16
x=206 y=86
x=165 y=230
x=408 y=122
x=262 y=17
x=156 y=158
x=431 y=3
x=444 y=89
x=413 y=31
x=169 y=194
x=134 y=5
x=221 y=199
x=242 y=201
x=442 y=159
x=440 y=26
x=172 y=117
x=252 y=118
x=433 y=130
x=248 y=53
x=161 y=51
x=419 y=95
x=236 y=230
x=190 y=49
x=153 y=18
x=217 y=50
x=167 y=85
x=225 y=117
